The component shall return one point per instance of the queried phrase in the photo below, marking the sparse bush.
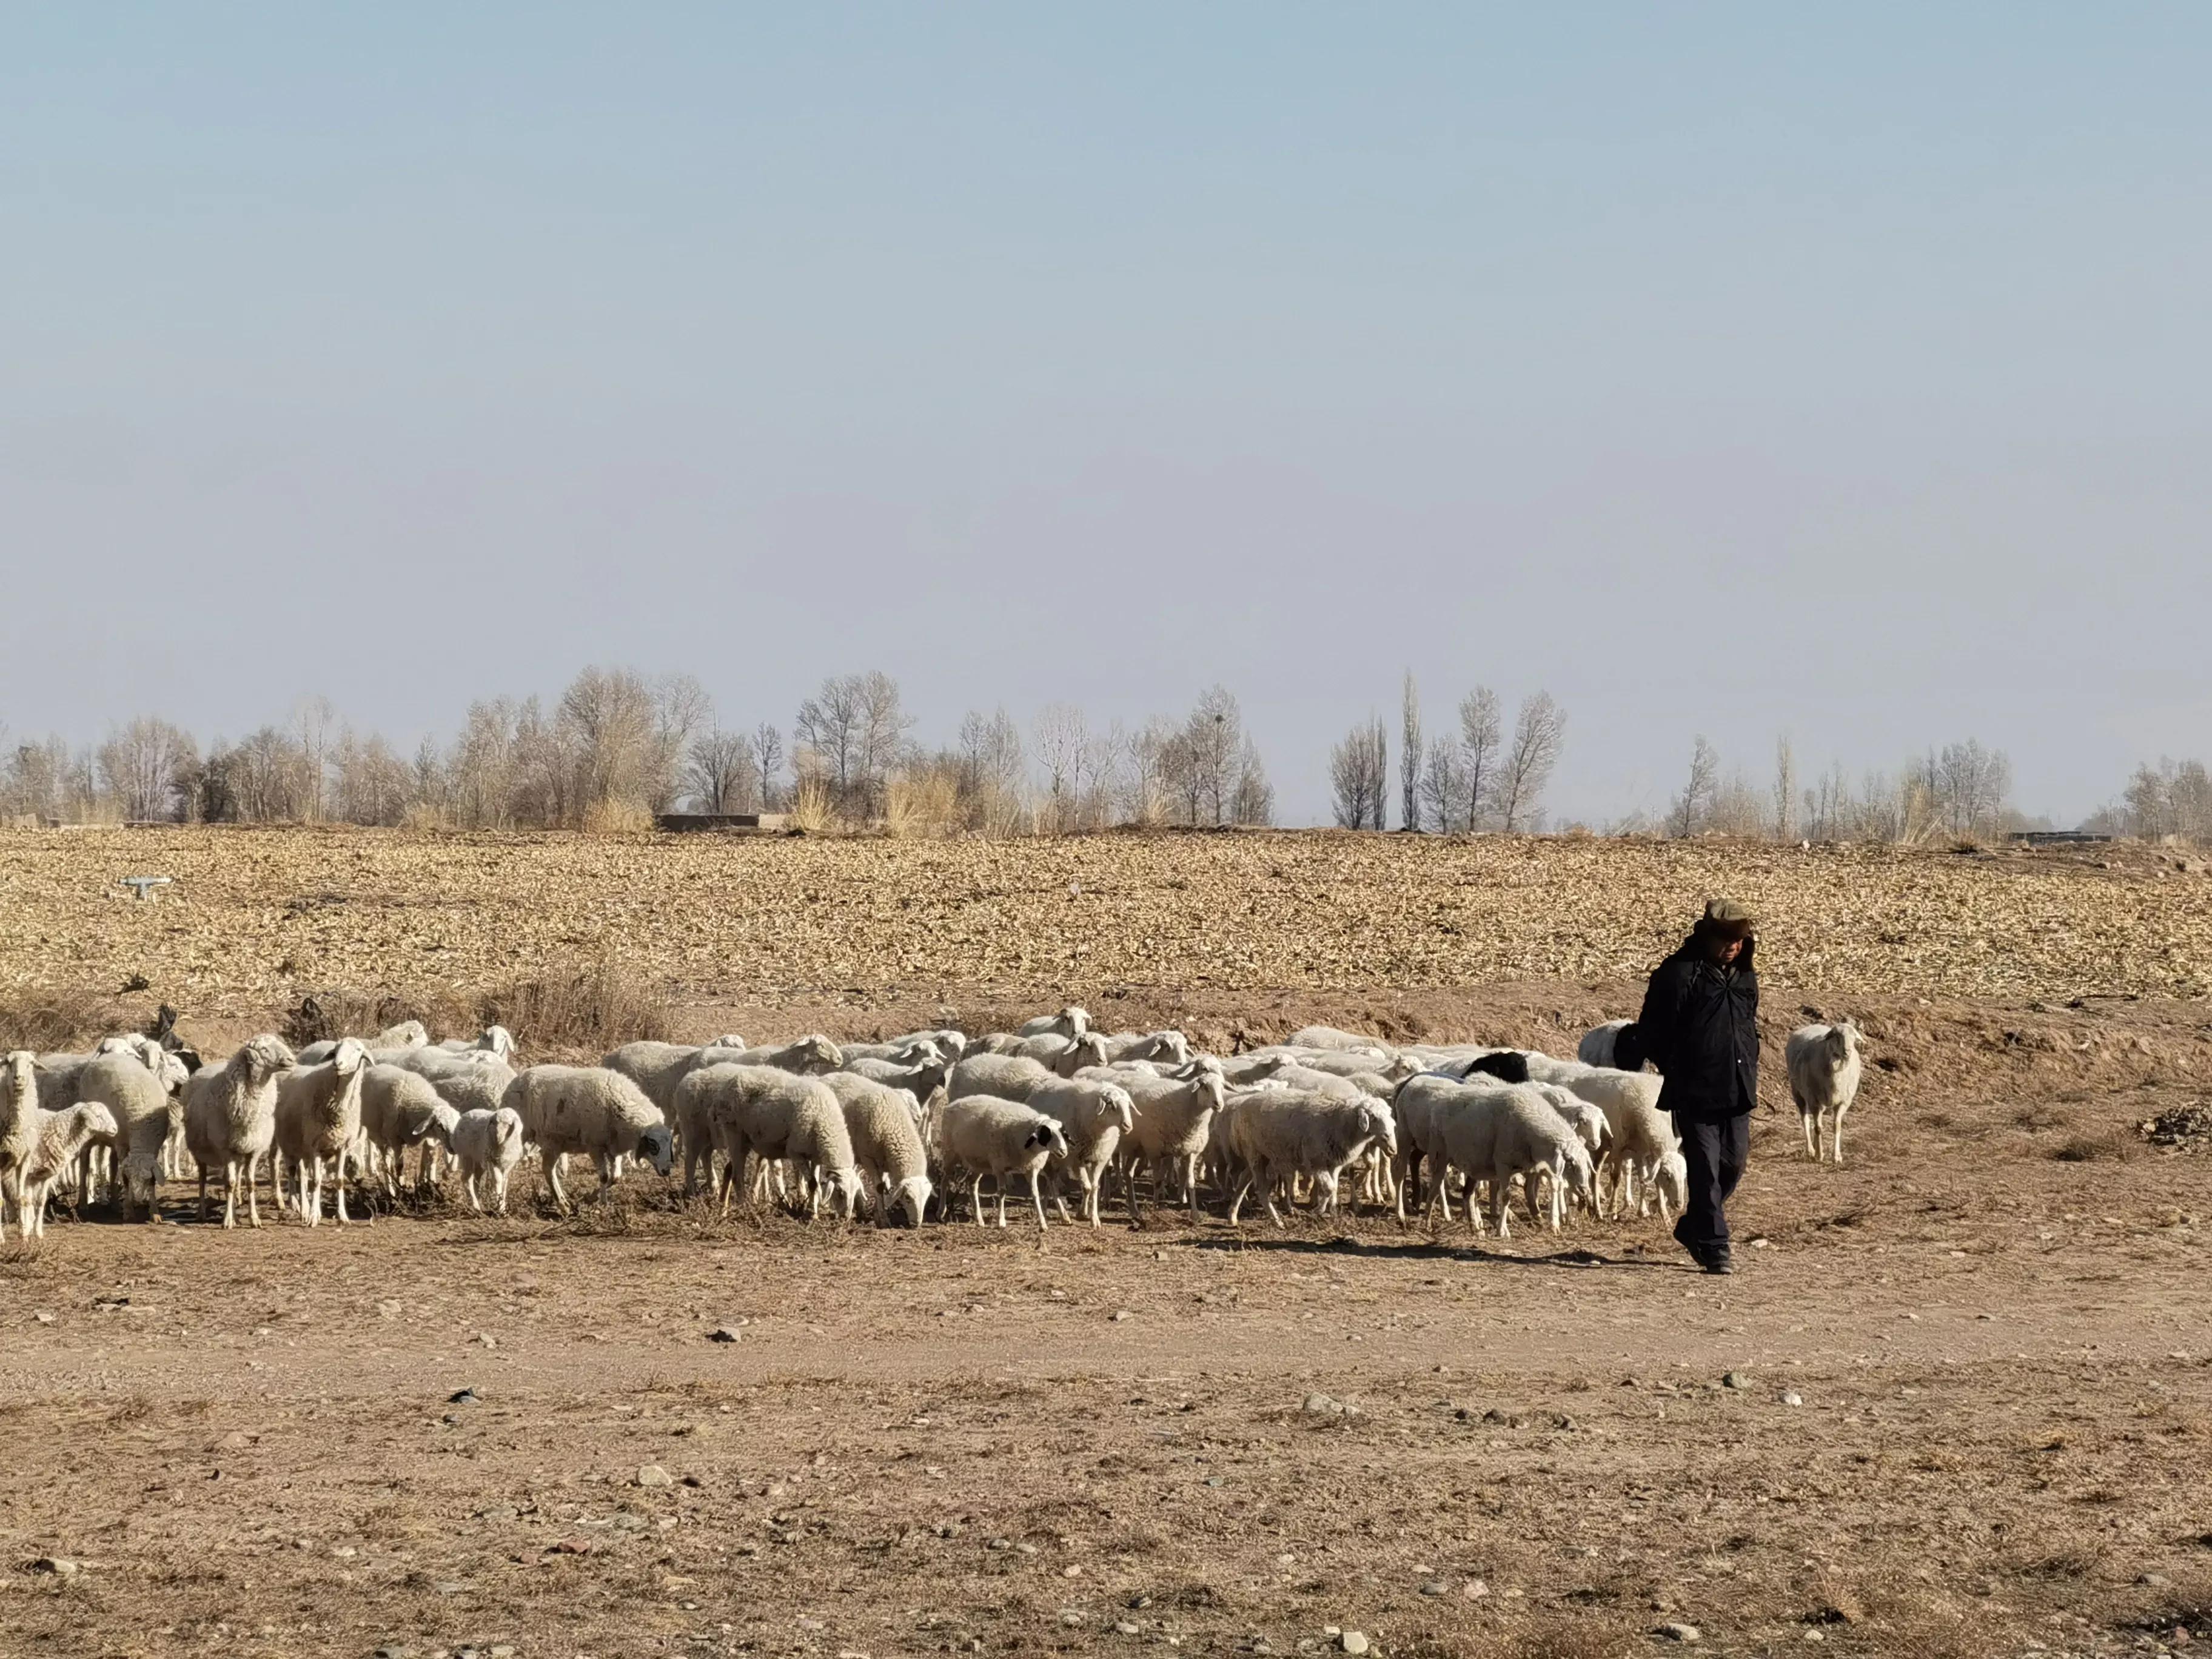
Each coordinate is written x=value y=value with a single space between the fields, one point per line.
x=49 y=1020
x=586 y=1013
x=618 y=818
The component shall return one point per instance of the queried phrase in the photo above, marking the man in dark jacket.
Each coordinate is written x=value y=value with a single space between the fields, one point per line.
x=1700 y=1027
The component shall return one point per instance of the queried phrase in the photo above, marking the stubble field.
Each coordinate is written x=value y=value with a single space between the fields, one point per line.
x=1969 y=1411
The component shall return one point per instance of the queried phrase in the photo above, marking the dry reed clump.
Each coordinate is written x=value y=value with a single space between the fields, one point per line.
x=927 y=806
x=812 y=810
x=618 y=818
x=587 y=1012
x=65 y=1021
x=327 y=1014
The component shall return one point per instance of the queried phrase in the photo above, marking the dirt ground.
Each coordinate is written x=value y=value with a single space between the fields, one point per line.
x=1958 y=1401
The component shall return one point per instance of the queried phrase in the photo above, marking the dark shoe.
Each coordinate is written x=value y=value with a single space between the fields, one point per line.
x=1722 y=1263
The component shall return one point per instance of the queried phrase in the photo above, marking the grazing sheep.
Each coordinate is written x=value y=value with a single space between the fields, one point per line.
x=1329 y=1037
x=884 y=1124
x=775 y=1114
x=57 y=1080
x=1645 y=1160
x=1002 y=1076
x=1070 y=1022
x=62 y=1138
x=950 y=1042
x=145 y=1105
x=487 y=1143
x=1094 y=1115
x=1824 y=1064
x=1597 y=1047
x=808 y=1055
x=494 y=1040
x=1064 y=1055
x=925 y=1078
x=230 y=1120
x=477 y=1083
x=592 y=1110
x=400 y=1108
x=1421 y=1105
x=902 y=1051
x=660 y=1068
x=319 y=1116
x=1584 y=1118
x=408 y=1033
x=1001 y=1138
x=1282 y=1135
x=1174 y=1119
x=1513 y=1131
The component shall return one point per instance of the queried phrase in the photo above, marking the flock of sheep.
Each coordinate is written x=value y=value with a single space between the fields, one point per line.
x=893 y=1127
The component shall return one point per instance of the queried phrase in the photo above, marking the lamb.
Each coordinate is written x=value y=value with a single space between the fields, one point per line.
x=487 y=1143
x=1824 y=1063
x=1001 y=1077
x=1174 y=1122
x=1587 y=1120
x=776 y=1114
x=230 y=1120
x=592 y=1110
x=494 y=1040
x=319 y=1116
x=144 y=1105
x=1001 y=1138
x=1281 y=1135
x=475 y=1084
x=1095 y=1115
x=809 y=1054
x=408 y=1033
x=1513 y=1131
x=400 y=1108
x=883 y=1124
x=61 y=1141
x=1070 y=1022
x=1597 y=1047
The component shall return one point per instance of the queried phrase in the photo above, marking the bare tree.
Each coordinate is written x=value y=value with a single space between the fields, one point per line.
x=718 y=772
x=1539 y=732
x=883 y=726
x=611 y=720
x=853 y=732
x=682 y=712
x=1481 y=737
x=992 y=779
x=1359 y=776
x=1061 y=736
x=1253 y=800
x=313 y=723
x=1696 y=800
x=768 y=763
x=1150 y=772
x=146 y=766
x=1210 y=754
x=1409 y=756
x=1970 y=787
x=1785 y=790
x=1444 y=791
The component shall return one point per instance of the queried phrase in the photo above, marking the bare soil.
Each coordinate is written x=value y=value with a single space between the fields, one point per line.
x=1993 y=1322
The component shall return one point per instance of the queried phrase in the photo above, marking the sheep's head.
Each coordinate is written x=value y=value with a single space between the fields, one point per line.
x=171 y=1070
x=955 y=1043
x=1674 y=1181
x=22 y=1077
x=1842 y=1042
x=1375 y=1119
x=911 y=1195
x=729 y=1039
x=96 y=1122
x=1119 y=1107
x=1581 y=1175
x=657 y=1146
x=1048 y=1135
x=1074 y=1021
x=350 y=1055
x=1507 y=1065
x=264 y=1057
x=444 y=1120
x=1211 y=1085
x=497 y=1040
x=818 y=1054
x=142 y=1172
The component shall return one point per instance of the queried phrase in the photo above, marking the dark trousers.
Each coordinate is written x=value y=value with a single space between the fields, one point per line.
x=1716 y=1149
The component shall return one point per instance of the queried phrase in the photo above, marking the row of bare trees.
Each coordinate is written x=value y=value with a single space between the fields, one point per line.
x=1963 y=790
x=1457 y=781
x=617 y=746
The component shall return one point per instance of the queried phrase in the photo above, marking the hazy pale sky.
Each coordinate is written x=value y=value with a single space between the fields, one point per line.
x=1721 y=368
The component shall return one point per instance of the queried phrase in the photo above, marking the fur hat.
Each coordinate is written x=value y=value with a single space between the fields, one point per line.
x=1728 y=917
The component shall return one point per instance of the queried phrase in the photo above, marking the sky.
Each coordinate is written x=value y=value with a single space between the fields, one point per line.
x=1730 y=369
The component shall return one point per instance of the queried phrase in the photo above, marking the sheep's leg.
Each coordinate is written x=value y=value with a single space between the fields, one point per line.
x=976 y=1199
x=551 y=1161
x=499 y=1190
x=1839 y=1134
x=1501 y=1203
x=1324 y=1192
x=344 y=1220
x=1810 y=1123
x=1237 y=1199
x=1037 y=1199
x=204 y=1197
x=254 y=1191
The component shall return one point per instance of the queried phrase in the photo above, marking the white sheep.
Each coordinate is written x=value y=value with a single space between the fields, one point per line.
x=400 y=1108
x=1286 y=1134
x=592 y=1110
x=230 y=1120
x=772 y=1113
x=810 y=1054
x=1330 y=1036
x=1174 y=1122
x=60 y=1142
x=1492 y=1135
x=884 y=1124
x=1170 y=1048
x=1001 y=1077
x=659 y=1069
x=1070 y=1022
x=1094 y=1114
x=925 y=1078
x=1645 y=1158
x=494 y=1040
x=951 y=1043
x=145 y=1104
x=1064 y=1055
x=1824 y=1063
x=1421 y=1104
x=408 y=1033
x=1002 y=1139
x=902 y=1051
x=487 y=1144
x=319 y=1117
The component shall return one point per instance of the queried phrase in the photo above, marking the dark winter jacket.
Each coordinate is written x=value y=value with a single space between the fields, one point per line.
x=1700 y=1027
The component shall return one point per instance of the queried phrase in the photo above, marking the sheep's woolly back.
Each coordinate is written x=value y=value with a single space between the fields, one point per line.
x=63 y=1135
x=1003 y=1077
x=397 y=1105
x=558 y=1102
x=880 y=1121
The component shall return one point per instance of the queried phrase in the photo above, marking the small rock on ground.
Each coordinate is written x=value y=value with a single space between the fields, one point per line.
x=1352 y=1641
x=1679 y=1632
x=651 y=1475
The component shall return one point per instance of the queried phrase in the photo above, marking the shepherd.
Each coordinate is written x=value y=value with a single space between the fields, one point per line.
x=1700 y=1027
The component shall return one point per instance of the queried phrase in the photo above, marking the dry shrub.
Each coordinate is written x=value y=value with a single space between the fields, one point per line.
x=597 y=1009
x=326 y=1015
x=422 y=816
x=926 y=805
x=2094 y=1148
x=47 y=1021
x=812 y=810
x=618 y=818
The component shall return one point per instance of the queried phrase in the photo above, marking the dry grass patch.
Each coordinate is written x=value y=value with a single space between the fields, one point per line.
x=49 y=1021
